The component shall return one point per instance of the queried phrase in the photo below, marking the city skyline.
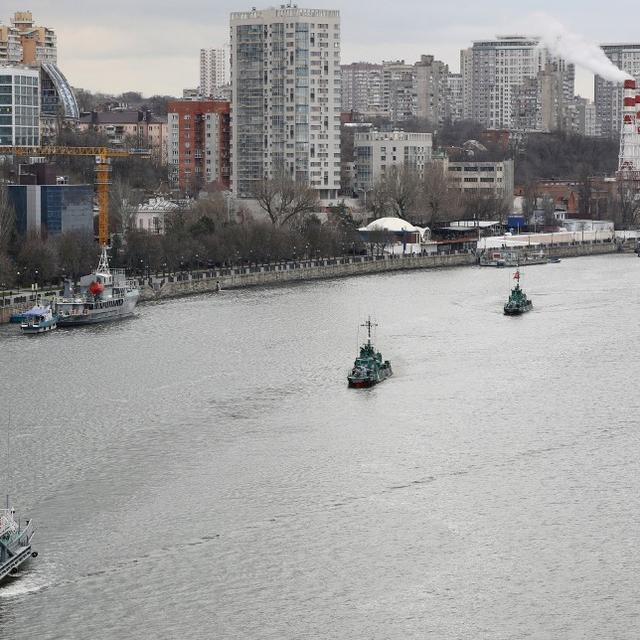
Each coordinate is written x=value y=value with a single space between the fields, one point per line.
x=158 y=52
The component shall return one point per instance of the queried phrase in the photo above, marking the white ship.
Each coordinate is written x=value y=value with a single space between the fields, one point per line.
x=103 y=295
x=15 y=543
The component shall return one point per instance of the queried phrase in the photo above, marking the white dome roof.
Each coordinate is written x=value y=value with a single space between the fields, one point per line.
x=390 y=224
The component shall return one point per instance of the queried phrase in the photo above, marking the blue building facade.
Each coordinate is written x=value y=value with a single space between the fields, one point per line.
x=53 y=209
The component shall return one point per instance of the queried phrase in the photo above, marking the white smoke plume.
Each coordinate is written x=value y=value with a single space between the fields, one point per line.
x=575 y=48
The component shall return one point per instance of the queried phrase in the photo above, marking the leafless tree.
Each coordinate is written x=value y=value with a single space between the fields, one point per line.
x=482 y=206
x=627 y=203
x=396 y=192
x=77 y=253
x=285 y=201
x=441 y=199
x=7 y=218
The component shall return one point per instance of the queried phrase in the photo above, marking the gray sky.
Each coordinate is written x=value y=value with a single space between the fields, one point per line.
x=153 y=45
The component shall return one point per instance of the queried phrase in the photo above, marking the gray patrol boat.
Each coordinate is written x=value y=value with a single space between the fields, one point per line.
x=15 y=543
x=104 y=295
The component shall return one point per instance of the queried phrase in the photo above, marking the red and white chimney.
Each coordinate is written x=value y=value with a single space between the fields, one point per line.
x=629 y=159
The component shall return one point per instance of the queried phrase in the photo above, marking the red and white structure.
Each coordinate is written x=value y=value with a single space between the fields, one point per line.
x=629 y=159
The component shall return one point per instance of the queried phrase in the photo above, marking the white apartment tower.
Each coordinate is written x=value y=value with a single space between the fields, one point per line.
x=498 y=67
x=214 y=71
x=285 y=108
x=608 y=96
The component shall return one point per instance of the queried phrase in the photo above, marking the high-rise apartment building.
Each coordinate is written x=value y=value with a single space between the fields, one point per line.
x=24 y=43
x=198 y=144
x=362 y=88
x=19 y=106
x=608 y=95
x=285 y=79
x=432 y=100
x=500 y=66
x=466 y=73
x=214 y=71
x=455 y=89
x=398 y=90
x=542 y=104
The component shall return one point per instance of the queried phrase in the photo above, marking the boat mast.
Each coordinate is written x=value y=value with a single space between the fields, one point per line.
x=368 y=324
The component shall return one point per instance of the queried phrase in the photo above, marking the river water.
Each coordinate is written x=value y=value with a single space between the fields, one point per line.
x=202 y=471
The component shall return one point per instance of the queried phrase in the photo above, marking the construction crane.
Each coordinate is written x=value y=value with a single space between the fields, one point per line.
x=102 y=156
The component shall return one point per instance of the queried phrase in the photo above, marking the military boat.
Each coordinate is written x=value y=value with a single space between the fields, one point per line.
x=369 y=368
x=104 y=295
x=518 y=303
x=39 y=319
x=15 y=543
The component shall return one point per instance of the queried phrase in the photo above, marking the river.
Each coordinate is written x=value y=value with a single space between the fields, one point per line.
x=202 y=470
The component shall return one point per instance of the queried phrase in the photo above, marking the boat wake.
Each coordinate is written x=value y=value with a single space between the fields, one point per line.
x=28 y=583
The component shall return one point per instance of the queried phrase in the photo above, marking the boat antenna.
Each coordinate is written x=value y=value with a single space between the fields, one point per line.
x=8 y=456
x=368 y=324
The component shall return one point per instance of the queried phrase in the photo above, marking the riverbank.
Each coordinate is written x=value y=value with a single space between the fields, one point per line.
x=159 y=287
x=267 y=275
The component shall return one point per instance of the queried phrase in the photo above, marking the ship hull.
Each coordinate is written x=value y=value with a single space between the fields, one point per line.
x=518 y=311
x=366 y=383
x=11 y=570
x=70 y=317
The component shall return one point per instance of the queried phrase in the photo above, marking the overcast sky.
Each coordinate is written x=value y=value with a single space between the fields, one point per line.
x=153 y=45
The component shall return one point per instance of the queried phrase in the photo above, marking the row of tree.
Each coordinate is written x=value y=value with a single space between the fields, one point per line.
x=430 y=197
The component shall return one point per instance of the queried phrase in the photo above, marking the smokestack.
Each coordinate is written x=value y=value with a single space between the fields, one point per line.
x=629 y=159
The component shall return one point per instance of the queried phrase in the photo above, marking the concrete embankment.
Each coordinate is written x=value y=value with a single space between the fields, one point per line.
x=265 y=275
x=175 y=285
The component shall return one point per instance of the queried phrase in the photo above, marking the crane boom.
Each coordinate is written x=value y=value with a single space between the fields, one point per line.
x=102 y=157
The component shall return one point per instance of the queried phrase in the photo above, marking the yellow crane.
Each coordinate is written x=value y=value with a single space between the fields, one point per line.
x=102 y=156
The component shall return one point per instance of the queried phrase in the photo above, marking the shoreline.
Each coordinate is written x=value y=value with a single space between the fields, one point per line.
x=179 y=285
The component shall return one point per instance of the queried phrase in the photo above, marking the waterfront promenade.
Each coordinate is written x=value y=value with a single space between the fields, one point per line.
x=160 y=286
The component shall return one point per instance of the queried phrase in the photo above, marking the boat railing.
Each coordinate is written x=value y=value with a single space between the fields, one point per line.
x=8 y=522
x=15 y=562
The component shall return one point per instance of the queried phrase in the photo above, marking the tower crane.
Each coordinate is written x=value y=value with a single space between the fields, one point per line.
x=103 y=157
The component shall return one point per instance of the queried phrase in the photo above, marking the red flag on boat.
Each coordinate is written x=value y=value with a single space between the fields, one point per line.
x=517 y=276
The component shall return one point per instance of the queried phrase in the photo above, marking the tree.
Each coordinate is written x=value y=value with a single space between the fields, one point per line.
x=77 y=253
x=286 y=201
x=481 y=206
x=627 y=203
x=7 y=219
x=37 y=261
x=441 y=200
x=396 y=192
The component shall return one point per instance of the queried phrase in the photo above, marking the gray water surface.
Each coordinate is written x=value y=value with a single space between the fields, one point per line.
x=202 y=471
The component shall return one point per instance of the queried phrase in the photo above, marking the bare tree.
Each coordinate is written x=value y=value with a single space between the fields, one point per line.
x=396 y=192
x=442 y=202
x=285 y=201
x=627 y=203
x=77 y=253
x=489 y=206
x=7 y=218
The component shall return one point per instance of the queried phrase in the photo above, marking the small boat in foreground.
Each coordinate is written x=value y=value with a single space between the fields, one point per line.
x=518 y=303
x=369 y=368
x=15 y=543
x=39 y=319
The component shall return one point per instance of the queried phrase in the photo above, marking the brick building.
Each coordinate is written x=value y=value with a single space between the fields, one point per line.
x=198 y=144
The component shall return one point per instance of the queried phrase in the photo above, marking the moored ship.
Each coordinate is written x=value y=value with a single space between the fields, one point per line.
x=518 y=303
x=39 y=319
x=15 y=543
x=369 y=368
x=104 y=295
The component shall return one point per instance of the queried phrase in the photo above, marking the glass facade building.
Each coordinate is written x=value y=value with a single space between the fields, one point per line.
x=19 y=106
